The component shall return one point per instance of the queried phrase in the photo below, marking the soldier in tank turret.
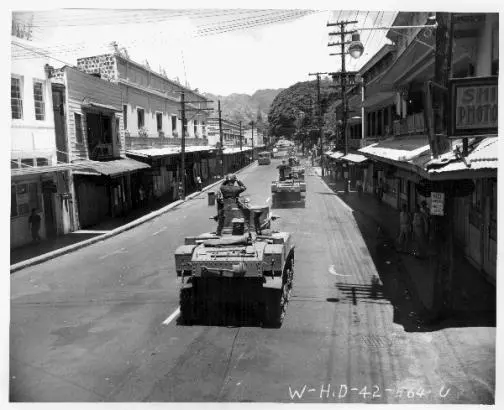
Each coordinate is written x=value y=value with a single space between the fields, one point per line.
x=231 y=188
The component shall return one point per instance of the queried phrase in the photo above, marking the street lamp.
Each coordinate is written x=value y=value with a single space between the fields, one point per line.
x=355 y=49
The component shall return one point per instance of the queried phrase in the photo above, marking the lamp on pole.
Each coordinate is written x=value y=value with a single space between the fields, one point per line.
x=355 y=49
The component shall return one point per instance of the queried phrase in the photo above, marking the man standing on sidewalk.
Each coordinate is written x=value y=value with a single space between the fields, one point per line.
x=34 y=224
x=420 y=230
x=404 y=229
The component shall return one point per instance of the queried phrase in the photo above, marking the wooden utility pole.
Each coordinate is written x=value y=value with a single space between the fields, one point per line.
x=241 y=144
x=182 y=182
x=221 y=153
x=319 y=120
x=252 y=123
x=342 y=33
x=442 y=226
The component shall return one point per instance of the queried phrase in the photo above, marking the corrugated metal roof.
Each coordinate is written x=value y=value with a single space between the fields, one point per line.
x=398 y=149
x=483 y=156
x=109 y=168
x=165 y=151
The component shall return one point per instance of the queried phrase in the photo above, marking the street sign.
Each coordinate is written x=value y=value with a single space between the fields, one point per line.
x=474 y=106
x=437 y=203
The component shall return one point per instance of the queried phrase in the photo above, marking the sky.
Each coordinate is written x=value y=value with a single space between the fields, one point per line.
x=236 y=59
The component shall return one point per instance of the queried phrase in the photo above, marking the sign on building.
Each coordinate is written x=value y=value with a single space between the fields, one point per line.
x=437 y=203
x=474 y=106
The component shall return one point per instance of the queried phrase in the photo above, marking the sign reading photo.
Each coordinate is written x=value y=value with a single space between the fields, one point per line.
x=474 y=106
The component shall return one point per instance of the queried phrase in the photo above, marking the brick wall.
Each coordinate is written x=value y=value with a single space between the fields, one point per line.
x=105 y=65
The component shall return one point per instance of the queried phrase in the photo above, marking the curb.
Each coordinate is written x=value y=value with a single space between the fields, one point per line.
x=133 y=224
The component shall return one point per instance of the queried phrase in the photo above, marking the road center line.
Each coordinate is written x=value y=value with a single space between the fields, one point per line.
x=172 y=316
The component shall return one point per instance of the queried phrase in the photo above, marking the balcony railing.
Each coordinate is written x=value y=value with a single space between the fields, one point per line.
x=411 y=125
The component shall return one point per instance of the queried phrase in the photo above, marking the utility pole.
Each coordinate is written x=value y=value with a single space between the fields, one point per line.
x=221 y=153
x=442 y=225
x=252 y=123
x=319 y=121
x=241 y=144
x=183 y=110
x=182 y=182
x=342 y=33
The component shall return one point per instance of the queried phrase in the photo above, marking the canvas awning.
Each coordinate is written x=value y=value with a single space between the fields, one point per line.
x=355 y=158
x=398 y=149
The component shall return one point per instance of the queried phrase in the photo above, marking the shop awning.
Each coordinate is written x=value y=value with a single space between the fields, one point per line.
x=336 y=155
x=15 y=172
x=355 y=158
x=398 y=149
x=166 y=151
x=113 y=168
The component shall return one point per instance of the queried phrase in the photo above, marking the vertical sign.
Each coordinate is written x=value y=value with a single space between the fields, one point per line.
x=437 y=203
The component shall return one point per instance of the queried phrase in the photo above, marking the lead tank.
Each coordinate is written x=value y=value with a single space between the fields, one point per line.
x=290 y=187
x=250 y=268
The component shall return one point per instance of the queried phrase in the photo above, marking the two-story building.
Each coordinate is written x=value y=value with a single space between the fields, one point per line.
x=404 y=164
x=151 y=119
x=88 y=116
x=39 y=179
x=232 y=134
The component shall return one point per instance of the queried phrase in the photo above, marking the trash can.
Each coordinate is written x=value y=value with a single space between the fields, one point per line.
x=211 y=198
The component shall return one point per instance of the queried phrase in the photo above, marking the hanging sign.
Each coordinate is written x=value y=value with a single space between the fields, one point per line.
x=474 y=108
x=437 y=203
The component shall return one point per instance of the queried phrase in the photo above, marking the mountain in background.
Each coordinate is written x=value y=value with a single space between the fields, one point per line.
x=244 y=107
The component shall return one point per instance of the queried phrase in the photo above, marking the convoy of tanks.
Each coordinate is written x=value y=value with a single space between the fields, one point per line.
x=248 y=268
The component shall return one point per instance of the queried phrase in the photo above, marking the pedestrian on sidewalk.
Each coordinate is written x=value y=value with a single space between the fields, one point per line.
x=404 y=229
x=198 y=183
x=141 y=196
x=420 y=230
x=34 y=224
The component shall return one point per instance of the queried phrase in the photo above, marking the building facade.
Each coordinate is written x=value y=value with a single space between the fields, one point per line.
x=401 y=162
x=39 y=181
x=89 y=125
x=230 y=132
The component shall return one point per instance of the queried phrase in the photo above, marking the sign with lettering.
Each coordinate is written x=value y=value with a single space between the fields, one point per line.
x=474 y=106
x=437 y=203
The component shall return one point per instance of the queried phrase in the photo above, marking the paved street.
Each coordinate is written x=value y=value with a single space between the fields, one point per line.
x=100 y=324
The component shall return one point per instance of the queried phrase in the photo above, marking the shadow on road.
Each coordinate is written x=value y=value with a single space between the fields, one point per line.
x=395 y=286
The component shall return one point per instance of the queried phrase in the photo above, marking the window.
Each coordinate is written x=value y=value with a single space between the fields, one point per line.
x=27 y=163
x=174 y=123
x=24 y=198
x=41 y=162
x=140 y=117
x=125 y=116
x=16 y=98
x=38 y=96
x=195 y=128
x=159 y=121
x=78 y=127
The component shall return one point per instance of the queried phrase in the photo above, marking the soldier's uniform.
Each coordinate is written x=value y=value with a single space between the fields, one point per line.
x=228 y=190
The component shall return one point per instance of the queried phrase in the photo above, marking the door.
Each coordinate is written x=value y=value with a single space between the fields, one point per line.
x=489 y=231
x=58 y=96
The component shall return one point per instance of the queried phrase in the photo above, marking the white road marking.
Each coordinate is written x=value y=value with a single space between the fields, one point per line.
x=90 y=231
x=122 y=250
x=172 y=316
x=158 y=232
x=333 y=272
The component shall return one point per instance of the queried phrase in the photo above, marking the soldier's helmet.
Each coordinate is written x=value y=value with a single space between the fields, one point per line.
x=232 y=177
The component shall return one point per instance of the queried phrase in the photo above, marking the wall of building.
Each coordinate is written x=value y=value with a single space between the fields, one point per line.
x=485 y=44
x=32 y=138
x=83 y=89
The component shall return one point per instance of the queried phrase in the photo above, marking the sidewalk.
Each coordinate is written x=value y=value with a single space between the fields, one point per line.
x=32 y=254
x=471 y=291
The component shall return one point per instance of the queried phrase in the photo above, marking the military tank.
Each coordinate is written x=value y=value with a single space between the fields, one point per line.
x=248 y=268
x=290 y=188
